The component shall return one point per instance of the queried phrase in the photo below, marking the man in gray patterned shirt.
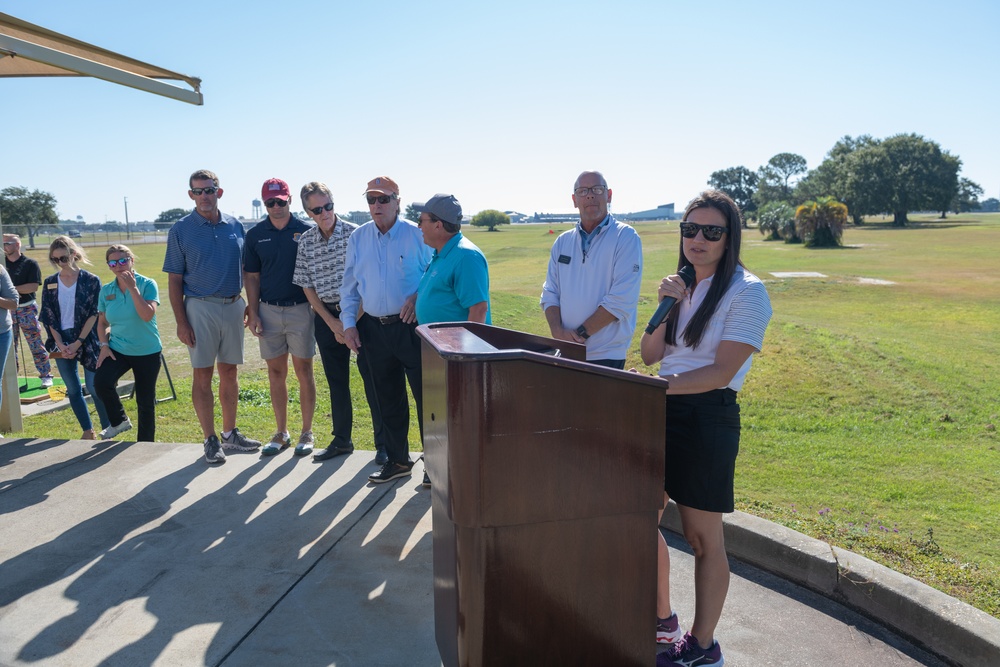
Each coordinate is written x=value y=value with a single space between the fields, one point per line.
x=319 y=271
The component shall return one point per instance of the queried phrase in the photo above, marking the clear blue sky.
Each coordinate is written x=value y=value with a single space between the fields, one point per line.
x=501 y=104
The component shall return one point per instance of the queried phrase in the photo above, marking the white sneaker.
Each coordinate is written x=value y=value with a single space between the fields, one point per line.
x=279 y=443
x=112 y=431
x=47 y=382
x=306 y=442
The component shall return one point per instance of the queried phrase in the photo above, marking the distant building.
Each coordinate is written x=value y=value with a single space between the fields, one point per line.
x=661 y=212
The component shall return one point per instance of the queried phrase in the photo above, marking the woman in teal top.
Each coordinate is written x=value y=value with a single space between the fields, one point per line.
x=129 y=339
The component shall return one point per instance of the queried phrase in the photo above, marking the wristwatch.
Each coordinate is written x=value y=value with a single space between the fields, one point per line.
x=101 y=343
x=582 y=332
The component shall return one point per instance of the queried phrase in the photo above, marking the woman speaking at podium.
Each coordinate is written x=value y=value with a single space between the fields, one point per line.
x=704 y=347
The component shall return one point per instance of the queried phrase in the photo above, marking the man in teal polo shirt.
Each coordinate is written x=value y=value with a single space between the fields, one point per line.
x=456 y=285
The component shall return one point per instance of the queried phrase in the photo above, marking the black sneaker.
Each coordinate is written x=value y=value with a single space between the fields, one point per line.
x=213 y=450
x=390 y=471
x=333 y=450
x=688 y=653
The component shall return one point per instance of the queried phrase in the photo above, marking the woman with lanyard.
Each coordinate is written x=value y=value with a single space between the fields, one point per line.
x=129 y=340
x=69 y=313
x=704 y=348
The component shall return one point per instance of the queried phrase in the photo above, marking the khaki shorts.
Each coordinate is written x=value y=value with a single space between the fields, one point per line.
x=218 y=331
x=286 y=329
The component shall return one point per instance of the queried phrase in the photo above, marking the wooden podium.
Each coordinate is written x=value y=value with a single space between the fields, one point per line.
x=547 y=477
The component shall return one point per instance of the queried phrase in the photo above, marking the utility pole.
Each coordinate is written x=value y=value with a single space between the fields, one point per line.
x=128 y=234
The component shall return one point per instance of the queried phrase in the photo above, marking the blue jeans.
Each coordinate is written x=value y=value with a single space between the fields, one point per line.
x=5 y=339
x=74 y=392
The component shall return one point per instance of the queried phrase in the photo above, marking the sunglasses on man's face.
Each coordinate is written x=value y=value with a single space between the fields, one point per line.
x=381 y=199
x=208 y=191
x=121 y=261
x=62 y=259
x=271 y=203
x=689 y=230
x=320 y=209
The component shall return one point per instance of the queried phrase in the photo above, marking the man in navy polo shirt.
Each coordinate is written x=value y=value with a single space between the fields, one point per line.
x=204 y=261
x=278 y=312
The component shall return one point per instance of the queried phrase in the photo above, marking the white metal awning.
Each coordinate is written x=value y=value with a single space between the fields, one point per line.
x=30 y=50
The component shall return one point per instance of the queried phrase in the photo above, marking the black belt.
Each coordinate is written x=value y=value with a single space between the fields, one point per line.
x=386 y=319
x=283 y=304
x=333 y=307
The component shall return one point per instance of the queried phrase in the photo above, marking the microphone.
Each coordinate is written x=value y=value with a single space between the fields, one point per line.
x=687 y=274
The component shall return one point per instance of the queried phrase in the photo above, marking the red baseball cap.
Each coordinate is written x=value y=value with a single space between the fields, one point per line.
x=275 y=188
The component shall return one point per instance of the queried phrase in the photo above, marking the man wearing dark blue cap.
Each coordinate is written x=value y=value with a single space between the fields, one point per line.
x=456 y=285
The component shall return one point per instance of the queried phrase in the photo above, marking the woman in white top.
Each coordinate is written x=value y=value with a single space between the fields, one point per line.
x=704 y=348
x=69 y=313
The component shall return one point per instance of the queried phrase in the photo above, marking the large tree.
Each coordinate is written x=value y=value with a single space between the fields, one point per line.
x=787 y=166
x=412 y=214
x=919 y=175
x=833 y=177
x=171 y=215
x=26 y=211
x=490 y=218
x=946 y=185
x=739 y=183
x=774 y=178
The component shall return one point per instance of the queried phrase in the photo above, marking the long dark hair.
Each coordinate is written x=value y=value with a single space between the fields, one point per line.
x=722 y=203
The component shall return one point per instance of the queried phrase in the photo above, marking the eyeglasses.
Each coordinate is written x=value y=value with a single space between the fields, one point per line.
x=689 y=230
x=381 y=199
x=596 y=190
x=121 y=261
x=271 y=203
x=60 y=260
x=320 y=209
x=207 y=191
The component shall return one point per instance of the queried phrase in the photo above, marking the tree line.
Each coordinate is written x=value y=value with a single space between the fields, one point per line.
x=898 y=175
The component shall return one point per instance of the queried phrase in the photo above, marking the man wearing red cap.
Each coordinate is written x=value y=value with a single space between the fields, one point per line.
x=278 y=313
x=385 y=260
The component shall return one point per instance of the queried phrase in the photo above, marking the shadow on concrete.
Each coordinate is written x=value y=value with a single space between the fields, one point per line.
x=43 y=480
x=218 y=566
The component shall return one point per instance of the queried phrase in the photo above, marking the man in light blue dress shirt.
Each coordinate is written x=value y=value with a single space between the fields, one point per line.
x=385 y=260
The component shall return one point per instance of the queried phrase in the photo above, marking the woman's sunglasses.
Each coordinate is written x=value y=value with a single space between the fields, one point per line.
x=689 y=230
x=121 y=261
x=62 y=259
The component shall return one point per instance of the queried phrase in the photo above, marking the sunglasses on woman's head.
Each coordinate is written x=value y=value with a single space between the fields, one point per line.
x=689 y=230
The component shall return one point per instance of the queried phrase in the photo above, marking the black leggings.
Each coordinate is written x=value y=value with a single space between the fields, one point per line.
x=145 y=368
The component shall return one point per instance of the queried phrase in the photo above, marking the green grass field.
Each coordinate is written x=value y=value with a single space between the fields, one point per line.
x=869 y=418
